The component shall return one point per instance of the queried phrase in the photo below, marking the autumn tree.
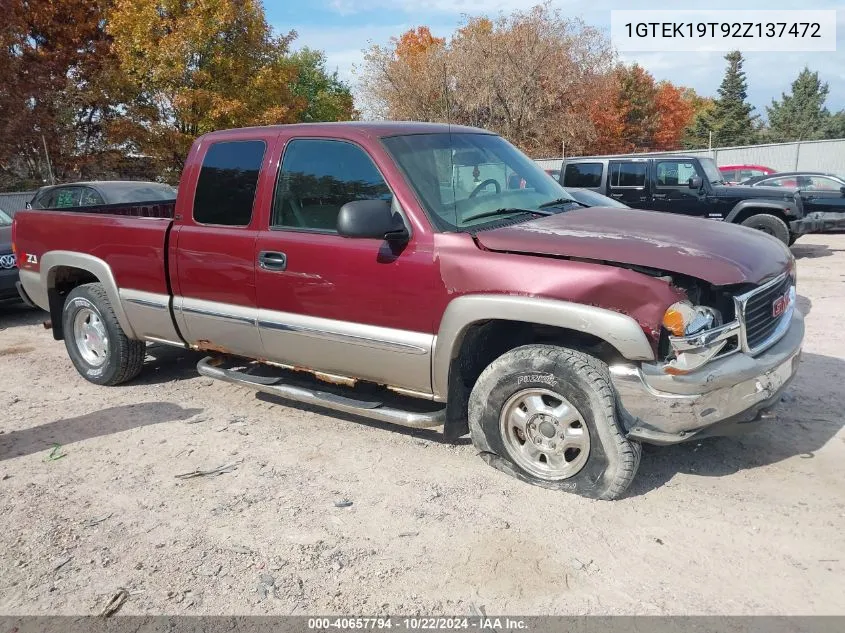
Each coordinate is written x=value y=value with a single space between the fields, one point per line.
x=406 y=79
x=676 y=109
x=529 y=75
x=57 y=70
x=635 y=113
x=196 y=67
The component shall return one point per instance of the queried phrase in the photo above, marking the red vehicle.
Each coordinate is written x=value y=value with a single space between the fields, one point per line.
x=393 y=262
x=735 y=174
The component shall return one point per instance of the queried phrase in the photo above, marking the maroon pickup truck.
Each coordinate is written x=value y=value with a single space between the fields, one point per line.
x=430 y=276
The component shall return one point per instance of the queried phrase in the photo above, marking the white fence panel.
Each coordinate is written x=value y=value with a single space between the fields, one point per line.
x=827 y=156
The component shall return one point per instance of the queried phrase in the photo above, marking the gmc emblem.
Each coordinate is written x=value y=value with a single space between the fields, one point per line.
x=779 y=305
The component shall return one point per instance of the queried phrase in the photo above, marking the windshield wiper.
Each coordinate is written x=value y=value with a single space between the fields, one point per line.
x=505 y=211
x=562 y=201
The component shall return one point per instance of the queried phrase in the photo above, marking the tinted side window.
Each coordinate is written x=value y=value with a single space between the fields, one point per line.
x=90 y=198
x=674 y=173
x=317 y=178
x=66 y=197
x=628 y=174
x=583 y=175
x=227 y=183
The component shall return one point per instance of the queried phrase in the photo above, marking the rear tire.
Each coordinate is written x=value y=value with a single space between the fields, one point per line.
x=770 y=224
x=95 y=342
x=548 y=415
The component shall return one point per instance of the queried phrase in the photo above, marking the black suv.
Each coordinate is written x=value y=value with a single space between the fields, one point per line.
x=688 y=185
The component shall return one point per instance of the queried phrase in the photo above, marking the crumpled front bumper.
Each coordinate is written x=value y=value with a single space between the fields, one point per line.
x=718 y=399
x=818 y=222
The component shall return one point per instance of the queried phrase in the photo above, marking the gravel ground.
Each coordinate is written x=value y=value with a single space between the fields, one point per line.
x=747 y=525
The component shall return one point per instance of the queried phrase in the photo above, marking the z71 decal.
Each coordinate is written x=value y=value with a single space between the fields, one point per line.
x=31 y=259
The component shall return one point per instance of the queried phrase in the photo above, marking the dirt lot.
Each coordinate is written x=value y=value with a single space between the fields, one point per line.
x=739 y=526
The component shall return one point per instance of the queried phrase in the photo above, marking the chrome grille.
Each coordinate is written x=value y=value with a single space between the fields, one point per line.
x=756 y=309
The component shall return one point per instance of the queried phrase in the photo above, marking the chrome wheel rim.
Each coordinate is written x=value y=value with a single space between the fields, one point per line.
x=89 y=333
x=544 y=434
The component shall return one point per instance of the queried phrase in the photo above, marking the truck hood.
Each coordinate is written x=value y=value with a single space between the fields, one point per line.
x=741 y=191
x=719 y=253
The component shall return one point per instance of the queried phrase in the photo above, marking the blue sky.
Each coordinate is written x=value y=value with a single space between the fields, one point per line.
x=343 y=28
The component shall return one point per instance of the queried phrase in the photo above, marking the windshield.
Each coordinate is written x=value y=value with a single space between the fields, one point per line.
x=5 y=220
x=467 y=180
x=711 y=171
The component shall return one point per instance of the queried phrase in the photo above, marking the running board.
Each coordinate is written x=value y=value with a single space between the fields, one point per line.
x=275 y=386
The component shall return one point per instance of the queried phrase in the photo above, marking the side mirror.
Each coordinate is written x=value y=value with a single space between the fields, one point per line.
x=373 y=219
x=29 y=204
x=842 y=190
x=694 y=182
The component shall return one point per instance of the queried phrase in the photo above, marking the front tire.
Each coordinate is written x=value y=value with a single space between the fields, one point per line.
x=770 y=224
x=97 y=345
x=548 y=415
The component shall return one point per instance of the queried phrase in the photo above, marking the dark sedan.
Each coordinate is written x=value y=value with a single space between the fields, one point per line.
x=89 y=194
x=803 y=180
x=822 y=195
x=8 y=265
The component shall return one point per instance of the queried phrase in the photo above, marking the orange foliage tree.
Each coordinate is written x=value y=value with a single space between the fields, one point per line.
x=634 y=113
x=676 y=113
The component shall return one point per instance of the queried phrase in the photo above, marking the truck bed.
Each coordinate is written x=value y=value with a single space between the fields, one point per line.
x=130 y=238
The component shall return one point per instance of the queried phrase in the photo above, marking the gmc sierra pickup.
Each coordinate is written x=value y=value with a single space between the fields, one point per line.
x=430 y=275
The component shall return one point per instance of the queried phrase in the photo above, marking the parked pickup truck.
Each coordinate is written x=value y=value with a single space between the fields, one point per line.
x=693 y=186
x=388 y=270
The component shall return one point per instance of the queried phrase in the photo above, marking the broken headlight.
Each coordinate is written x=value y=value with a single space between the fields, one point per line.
x=696 y=335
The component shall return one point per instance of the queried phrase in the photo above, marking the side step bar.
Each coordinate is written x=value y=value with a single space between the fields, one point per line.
x=370 y=409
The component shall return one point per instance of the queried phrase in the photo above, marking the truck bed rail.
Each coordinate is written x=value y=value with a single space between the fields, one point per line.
x=153 y=209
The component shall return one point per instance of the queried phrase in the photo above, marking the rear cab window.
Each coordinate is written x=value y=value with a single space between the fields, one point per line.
x=583 y=175
x=227 y=183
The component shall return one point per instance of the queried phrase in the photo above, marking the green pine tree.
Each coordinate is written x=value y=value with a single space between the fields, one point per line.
x=835 y=127
x=730 y=119
x=800 y=115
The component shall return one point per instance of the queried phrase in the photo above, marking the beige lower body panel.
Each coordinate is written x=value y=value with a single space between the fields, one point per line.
x=220 y=327
x=149 y=315
x=396 y=358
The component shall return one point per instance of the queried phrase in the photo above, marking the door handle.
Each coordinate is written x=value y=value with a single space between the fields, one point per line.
x=616 y=195
x=659 y=196
x=272 y=260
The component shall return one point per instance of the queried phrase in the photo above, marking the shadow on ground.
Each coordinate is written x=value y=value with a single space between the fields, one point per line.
x=813 y=251
x=809 y=416
x=15 y=313
x=432 y=435
x=104 y=422
x=805 y=305
x=165 y=363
